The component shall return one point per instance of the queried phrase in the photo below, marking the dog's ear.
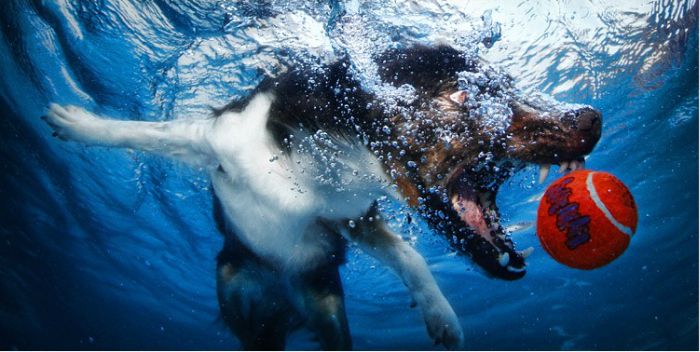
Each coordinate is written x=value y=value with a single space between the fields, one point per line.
x=459 y=97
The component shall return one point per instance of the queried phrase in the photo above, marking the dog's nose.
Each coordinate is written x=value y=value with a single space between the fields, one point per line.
x=589 y=120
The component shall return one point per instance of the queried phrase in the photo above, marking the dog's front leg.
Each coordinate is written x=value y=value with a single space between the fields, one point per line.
x=375 y=238
x=184 y=140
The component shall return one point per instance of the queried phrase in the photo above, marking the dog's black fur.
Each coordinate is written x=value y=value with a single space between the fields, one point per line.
x=443 y=156
x=330 y=99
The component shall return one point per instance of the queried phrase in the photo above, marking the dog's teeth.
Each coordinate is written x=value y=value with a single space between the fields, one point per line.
x=544 y=172
x=515 y=270
x=573 y=165
x=563 y=166
x=503 y=259
x=526 y=252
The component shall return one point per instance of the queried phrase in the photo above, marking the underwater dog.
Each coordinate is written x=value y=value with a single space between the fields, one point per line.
x=298 y=165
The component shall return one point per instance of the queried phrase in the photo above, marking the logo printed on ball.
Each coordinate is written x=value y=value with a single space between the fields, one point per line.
x=569 y=219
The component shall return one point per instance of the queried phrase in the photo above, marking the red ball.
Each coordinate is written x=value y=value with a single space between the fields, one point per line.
x=586 y=219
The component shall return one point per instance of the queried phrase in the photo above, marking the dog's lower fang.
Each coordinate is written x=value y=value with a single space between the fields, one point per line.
x=514 y=269
x=503 y=259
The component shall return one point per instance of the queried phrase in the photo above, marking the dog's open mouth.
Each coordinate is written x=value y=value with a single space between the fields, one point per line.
x=465 y=210
x=471 y=133
x=474 y=222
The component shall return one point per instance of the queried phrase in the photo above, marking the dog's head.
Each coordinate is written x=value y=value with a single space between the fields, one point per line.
x=468 y=131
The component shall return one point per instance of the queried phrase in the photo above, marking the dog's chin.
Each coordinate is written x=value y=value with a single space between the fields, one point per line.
x=476 y=229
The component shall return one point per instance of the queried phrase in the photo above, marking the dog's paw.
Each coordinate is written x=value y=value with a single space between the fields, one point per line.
x=72 y=123
x=443 y=326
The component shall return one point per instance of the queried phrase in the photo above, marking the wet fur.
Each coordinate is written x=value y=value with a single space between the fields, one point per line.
x=284 y=232
x=286 y=218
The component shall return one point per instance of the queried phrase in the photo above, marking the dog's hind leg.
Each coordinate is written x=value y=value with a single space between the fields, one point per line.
x=321 y=300
x=253 y=303
x=252 y=297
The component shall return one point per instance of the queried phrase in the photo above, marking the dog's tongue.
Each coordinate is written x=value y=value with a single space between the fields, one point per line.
x=465 y=203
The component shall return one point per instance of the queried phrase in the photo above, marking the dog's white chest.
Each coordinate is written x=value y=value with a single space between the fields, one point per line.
x=274 y=199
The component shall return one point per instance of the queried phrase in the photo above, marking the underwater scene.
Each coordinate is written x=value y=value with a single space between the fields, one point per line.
x=416 y=139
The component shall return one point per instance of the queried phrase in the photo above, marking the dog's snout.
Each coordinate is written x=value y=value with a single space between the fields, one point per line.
x=589 y=120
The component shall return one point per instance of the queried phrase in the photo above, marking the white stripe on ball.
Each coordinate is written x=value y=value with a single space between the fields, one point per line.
x=599 y=203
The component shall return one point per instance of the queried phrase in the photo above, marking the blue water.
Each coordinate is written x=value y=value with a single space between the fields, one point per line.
x=112 y=249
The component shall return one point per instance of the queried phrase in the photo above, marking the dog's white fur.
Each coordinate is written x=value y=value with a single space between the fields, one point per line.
x=275 y=198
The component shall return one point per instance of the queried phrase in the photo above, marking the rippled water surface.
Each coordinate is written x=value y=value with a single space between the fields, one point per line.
x=106 y=249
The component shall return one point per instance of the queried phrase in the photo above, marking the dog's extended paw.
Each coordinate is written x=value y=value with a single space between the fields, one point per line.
x=72 y=123
x=443 y=326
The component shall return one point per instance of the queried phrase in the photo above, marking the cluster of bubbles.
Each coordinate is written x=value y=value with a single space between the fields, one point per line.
x=266 y=37
x=548 y=105
x=488 y=93
x=369 y=28
x=333 y=164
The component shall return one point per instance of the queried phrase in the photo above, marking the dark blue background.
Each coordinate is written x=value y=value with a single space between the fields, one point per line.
x=104 y=249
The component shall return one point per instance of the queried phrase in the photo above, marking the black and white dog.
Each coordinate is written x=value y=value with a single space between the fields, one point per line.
x=297 y=168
